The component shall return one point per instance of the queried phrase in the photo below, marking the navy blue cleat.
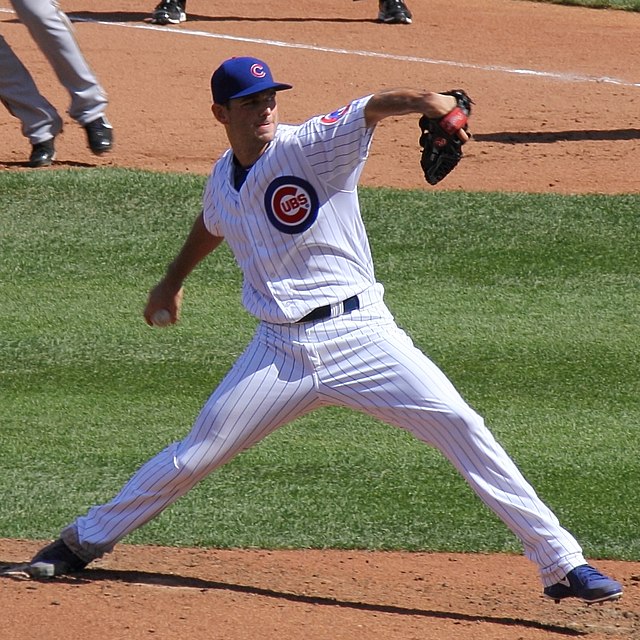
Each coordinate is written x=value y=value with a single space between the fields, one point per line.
x=586 y=584
x=56 y=559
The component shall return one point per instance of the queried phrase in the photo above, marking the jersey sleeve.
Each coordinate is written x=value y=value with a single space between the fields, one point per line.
x=336 y=145
x=211 y=212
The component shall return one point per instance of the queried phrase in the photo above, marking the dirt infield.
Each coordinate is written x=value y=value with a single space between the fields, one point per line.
x=146 y=592
x=557 y=93
x=557 y=88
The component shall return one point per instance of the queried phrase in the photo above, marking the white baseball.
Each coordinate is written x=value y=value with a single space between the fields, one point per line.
x=161 y=318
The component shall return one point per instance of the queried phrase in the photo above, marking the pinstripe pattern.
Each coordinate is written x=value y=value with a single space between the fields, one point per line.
x=360 y=360
x=366 y=362
x=269 y=385
x=286 y=276
x=363 y=361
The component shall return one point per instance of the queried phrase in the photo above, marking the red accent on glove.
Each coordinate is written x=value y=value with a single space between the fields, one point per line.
x=454 y=121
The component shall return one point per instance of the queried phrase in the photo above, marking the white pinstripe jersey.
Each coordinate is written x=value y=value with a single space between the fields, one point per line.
x=294 y=226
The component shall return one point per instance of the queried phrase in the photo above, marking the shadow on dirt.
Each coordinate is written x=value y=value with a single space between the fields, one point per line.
x=134 y=16
x=172 y=580
x=540 y=137
x=56 y=163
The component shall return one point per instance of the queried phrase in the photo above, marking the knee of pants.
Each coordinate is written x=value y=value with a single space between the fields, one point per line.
x=197 y=461
x=436 y=426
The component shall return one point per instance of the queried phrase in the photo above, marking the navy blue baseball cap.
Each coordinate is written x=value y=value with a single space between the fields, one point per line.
x=241 y=77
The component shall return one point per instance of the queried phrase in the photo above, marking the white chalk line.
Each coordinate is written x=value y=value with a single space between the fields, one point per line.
x=562 y=77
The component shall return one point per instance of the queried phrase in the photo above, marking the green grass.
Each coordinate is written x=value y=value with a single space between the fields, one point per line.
x=530 y=303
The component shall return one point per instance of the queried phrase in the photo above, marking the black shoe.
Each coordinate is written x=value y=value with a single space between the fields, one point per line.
x=56 y=559
x=169 y=12
x=99 y=135
x=42 y=154
x=394 y=12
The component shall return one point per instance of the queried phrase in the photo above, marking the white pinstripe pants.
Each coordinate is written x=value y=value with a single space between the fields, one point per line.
x=363 y=361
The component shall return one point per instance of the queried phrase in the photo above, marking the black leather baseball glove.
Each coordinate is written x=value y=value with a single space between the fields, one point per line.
x=440 y=143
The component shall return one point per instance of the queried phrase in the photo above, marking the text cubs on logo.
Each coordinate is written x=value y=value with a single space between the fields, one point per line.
x=291 y=204
x=334 y=116
x=258 y=71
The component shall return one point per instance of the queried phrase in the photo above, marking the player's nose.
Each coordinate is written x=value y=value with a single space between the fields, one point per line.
x=269 y=104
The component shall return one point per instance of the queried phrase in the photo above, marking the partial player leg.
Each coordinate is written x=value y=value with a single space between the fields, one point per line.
x=53 y=33
x=39 y=119
x=387 y=377
x=266 y=388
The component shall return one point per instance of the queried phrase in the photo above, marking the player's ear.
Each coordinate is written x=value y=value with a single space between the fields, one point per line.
x=220 y=113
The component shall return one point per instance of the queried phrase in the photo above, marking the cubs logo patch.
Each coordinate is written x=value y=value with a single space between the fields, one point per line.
x=334 y=116
x=258 y=71
x=291 y=204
